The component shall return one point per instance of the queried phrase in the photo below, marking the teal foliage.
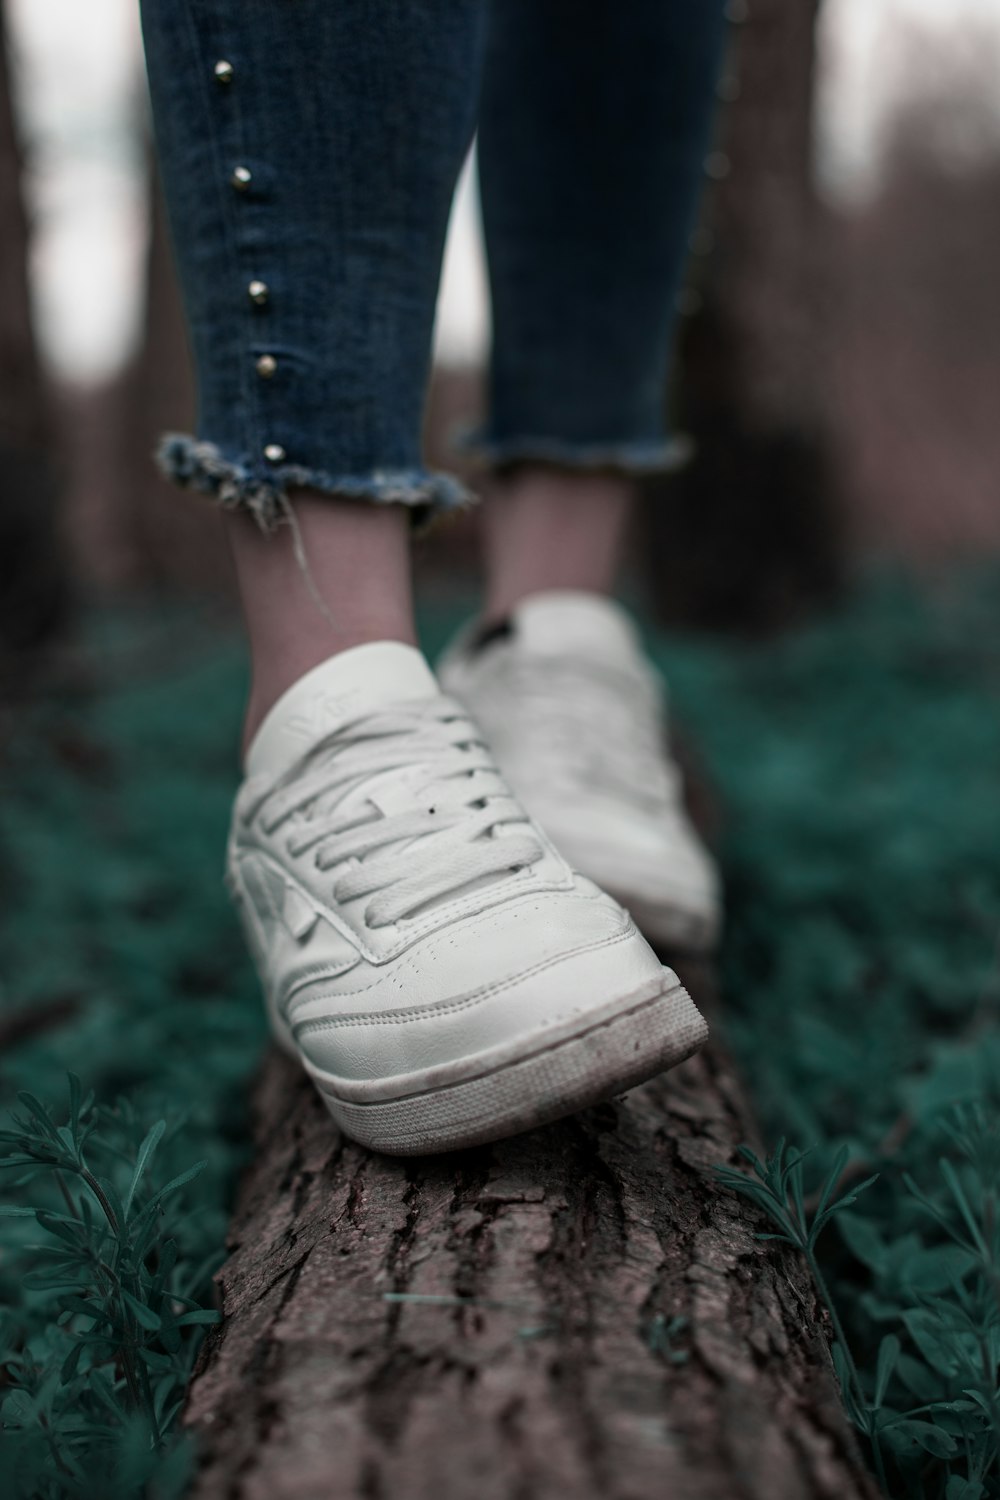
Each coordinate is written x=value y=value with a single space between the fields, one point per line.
x=857 y=764
x=122 y=963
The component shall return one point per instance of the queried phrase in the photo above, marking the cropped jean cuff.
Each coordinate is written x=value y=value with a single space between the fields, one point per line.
x=238 y=485
x=642 y=456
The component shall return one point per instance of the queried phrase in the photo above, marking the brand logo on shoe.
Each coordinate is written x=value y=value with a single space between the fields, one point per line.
x=297 y=914
x=277 y=901
x=324 y=713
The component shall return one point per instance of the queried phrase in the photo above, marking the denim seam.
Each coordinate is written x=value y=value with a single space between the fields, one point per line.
x=239 y=209
x=248 y=396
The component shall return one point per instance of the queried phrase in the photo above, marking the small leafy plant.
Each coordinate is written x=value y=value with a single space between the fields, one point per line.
x=97 y=1353
x=947 y=1349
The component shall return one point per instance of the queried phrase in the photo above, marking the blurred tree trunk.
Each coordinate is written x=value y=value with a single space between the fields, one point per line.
x=178 y=536
x=128 y=525
x=32 y=578
x=749 y=534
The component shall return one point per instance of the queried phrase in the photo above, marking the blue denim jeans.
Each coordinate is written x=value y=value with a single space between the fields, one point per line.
x=309 y=151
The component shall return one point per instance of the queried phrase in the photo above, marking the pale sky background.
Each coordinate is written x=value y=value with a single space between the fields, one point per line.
x=80 y=88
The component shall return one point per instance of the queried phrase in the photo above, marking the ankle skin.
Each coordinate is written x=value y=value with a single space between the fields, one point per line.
x=347 y=585
x=549 y=529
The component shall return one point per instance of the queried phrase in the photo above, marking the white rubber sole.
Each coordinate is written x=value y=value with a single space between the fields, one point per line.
x=529 y=1082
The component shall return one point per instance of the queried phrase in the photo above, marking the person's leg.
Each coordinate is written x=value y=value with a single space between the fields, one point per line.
x=358 y=555
x=593 y=131
x=441 y=972
x=547 y=528
x=309 y=153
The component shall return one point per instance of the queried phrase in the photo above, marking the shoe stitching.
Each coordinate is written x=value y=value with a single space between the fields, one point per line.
x=692 y=1028
x=428 y=950
x=413 y=930
x=412 y=934
x=425 y=1012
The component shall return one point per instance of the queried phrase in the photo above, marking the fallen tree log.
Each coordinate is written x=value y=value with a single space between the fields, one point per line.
x=579 y=1312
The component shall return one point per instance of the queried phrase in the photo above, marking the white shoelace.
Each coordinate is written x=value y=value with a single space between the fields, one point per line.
x=591 y=724
x=453 y=833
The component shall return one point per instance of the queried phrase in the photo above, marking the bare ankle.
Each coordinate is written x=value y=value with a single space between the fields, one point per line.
x=346 y=585
x=549 y=529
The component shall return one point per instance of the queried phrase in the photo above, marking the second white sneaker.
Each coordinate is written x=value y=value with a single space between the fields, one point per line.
x=576 y=718
x=440 y=971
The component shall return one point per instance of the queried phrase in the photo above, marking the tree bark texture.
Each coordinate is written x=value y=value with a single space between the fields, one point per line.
x=579 y=1312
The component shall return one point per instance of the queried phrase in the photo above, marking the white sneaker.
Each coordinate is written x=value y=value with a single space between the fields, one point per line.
x=437 y=967
x=576 y=718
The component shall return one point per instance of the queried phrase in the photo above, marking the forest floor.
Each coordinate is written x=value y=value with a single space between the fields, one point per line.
x=856 y=764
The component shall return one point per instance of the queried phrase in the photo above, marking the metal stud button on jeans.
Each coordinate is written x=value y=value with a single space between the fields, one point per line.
x=275 y=453
x=258 y=292
x=224 y=71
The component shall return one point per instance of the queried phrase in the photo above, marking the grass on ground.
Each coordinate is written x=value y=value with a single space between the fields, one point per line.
x=858 y=765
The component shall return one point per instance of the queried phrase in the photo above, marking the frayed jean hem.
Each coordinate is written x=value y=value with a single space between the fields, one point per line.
x=640 y=457
x=237 y=487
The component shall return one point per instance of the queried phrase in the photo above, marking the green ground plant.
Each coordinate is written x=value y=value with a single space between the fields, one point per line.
x=113 y=1275
x=938 y=1401
x=120 y=962
x=857 y=765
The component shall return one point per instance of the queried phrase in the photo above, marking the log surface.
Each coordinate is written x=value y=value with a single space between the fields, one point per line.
x=579 y=1312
